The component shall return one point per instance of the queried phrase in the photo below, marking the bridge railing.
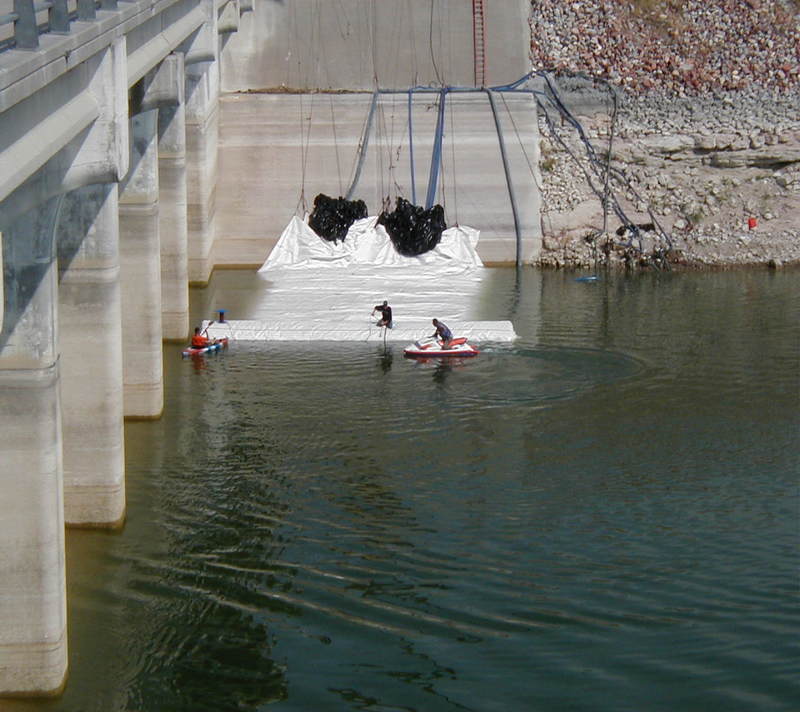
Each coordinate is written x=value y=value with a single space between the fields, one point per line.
x=23 y=21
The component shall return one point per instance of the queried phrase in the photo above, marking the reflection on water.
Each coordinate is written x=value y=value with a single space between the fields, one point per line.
x=386 y=359
x=600 y=516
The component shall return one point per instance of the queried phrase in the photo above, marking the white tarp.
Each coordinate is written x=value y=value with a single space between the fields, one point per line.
x=368 y=245
x=362 y=330
x=325 y=291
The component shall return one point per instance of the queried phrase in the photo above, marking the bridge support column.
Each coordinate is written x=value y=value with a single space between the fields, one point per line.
x=202 y=126
x=33 y=643
x=140 y=278
x=173 y=225
x=90 y=341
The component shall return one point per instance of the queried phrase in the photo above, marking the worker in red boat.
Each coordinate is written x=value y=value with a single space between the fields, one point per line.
x=442 y=333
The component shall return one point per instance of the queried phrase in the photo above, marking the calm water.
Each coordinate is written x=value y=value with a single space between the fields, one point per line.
x=603 y=516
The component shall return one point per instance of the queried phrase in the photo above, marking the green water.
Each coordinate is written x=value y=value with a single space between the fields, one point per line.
x=602 y=516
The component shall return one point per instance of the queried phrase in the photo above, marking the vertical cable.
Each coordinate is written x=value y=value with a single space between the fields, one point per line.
x=336 y=145
x=411 y=146
x=508 y=175
x=453 y=156
x=363 y=146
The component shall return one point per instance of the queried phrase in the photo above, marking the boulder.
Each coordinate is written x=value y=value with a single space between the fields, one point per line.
x=670 y=144
x=771 y=156
x=705 y=143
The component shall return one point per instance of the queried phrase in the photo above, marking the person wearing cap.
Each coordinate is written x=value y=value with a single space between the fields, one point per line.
x=386 y=314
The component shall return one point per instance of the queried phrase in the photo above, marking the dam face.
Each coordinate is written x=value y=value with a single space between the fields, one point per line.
x=278 y=150
x=357 y=45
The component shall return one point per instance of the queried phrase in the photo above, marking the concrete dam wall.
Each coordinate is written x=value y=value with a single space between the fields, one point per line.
x=297 y=82
x=356 y=45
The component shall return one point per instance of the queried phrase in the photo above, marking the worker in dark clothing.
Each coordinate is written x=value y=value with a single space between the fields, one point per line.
x=386 y=314
x=442 y=333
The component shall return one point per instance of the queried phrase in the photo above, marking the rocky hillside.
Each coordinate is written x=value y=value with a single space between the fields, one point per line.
x=684 y=47
x=707 y=132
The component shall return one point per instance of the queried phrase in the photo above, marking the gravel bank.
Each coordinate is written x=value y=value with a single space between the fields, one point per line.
x=684 y=47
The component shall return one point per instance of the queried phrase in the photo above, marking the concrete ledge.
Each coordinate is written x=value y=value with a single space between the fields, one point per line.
x=175 y=325
x=12 y=377
x=91 y=275
x=94 y=506
x=143 y=401
x=33 y=669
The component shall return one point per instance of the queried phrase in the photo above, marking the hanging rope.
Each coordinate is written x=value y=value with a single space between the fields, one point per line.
x=335 y=144
x=509 y=182
x=396 y=147
x=380 y=136
x=414 y=80
x=397 y=23
x=608 y=162
x=453 y=159
x=373 y=17
x=411 y=145
x=317 y=46
x=339 y=14
x=632 y=228
x=520 y=141
x=362 y=146
x=598 y=169
x=430 y=46
x=387 y=147
x=305 y=136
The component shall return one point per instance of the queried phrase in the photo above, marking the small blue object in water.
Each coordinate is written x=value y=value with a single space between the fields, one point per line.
x=593 y=278
x=222 y=315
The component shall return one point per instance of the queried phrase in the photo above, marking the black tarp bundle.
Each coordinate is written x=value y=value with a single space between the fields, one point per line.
x=332 y=217
x=412 y=229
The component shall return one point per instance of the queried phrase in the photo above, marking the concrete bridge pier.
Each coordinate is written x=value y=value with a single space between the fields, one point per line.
x=33 y=643
x=90 y=343
x=140 y=279
x=202 y=131
x=163 y=89
x=202 y=126
x=174 y=227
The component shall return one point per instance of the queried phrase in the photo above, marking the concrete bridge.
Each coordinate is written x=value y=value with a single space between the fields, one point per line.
x=108 y=140
x=109 y=185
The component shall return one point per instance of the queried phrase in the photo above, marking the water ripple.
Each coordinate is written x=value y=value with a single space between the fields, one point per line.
x=601 y=516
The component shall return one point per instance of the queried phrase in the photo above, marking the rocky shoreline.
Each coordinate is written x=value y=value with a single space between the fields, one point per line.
x=717 y=168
